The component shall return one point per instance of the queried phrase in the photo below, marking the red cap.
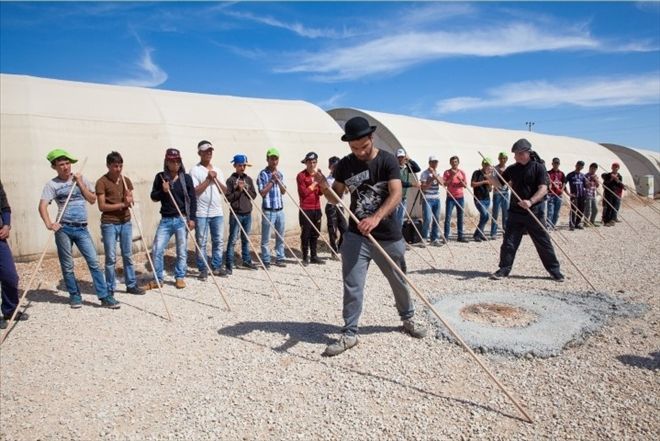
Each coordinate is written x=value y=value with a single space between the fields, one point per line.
x=172 y=154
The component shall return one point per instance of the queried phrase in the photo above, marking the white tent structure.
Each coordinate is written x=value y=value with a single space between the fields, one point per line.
x=644 y=166
x=90 y=120
x=421 y=138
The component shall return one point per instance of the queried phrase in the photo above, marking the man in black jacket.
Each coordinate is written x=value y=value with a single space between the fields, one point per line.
x=242 y=206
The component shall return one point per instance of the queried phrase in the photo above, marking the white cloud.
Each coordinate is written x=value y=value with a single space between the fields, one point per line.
x=297 y=28
x=331 y=102
x=393 y=53
x=149 y=75
x=583 y=92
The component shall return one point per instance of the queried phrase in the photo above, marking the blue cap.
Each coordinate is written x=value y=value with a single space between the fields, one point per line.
x=240 y=159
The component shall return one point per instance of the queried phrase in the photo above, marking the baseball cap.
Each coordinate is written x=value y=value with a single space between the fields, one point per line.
x=502 y=155
x=240 y=159
x=172 y=154
x=311 y=156
x=272 y=152
x=60 y=153
x=433 y=158
x=203 y=146
x=616 y=164
x=333 y=160
x=487 y=161
x=400 y=152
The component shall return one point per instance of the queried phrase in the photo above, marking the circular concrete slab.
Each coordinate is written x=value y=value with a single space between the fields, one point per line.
x=523 y=323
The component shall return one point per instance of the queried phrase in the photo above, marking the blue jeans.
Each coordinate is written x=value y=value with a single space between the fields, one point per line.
x=431 y=211
x=65 y=237
x=277 y=219
x=111 y=233
x=203 y=225
x=449 y=207
x=167 y=227
x=356 y=254
x=500 y=204
x=8 y=280
x=400 y=213
x=234 y=230
x=554 y=206
x=482 y=206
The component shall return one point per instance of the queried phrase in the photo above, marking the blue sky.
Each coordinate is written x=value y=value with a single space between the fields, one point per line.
x=587 y=69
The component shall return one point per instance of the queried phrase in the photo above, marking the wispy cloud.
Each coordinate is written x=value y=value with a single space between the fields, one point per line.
x=295 y=27
x=394 y=53
x=582 y=92
x=149 y=73
x=331 y=102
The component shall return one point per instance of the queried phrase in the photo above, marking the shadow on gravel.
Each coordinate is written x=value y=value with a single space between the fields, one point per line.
x=651 y=363
x=464 y=275
x=50 y=296
x=318 y=333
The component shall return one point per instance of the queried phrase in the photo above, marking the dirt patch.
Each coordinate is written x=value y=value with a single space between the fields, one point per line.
x=498 y=314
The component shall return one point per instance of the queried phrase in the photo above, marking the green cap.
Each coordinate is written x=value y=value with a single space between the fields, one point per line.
x=487 y=161
x=60 y=153
x=273 y=152
x=502 y=155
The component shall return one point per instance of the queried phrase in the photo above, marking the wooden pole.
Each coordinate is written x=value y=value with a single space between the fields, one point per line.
x=645 y=202
x=192 y=236
x=283 y=241
x=437 y=221
x=581 y=214
x=41 y=258
x=146 y=249
x=474 y=222
x=256 y=253
x=437 y=314
x=420 y=235
x=629 y=206
x=602 y=195
x=536 y=219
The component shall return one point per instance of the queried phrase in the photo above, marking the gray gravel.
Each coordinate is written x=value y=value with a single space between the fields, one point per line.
x=257 y=372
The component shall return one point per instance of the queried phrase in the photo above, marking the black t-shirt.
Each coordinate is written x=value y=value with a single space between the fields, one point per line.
x=525 y=181
x=368 y=184
x=481 y=192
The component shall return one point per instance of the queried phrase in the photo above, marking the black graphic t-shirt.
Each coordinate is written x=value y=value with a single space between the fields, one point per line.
x=367 y=182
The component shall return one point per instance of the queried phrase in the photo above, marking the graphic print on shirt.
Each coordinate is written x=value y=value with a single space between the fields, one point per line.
x=368 y=197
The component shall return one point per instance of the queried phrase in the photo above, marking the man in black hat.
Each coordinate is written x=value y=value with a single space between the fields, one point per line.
x=309 y=195
x=529 y=181
x=373 y=178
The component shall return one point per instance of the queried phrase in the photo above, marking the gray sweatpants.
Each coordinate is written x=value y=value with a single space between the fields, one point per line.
x=357 y=251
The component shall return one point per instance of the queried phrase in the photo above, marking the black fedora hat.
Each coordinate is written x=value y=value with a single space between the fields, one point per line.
x=356 y=128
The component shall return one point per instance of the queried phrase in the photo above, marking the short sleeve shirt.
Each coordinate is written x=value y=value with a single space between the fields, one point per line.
x=454 y=184
x=433 y=191
x=368 y=183
x=525 y=181
x=481 y=192
x=114 y=194
x=209 y=203
x=273 y=199
x=58 y=189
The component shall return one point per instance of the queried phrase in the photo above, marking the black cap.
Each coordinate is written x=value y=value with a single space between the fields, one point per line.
x=333 y=160
x=311 y=156
x=522 y=145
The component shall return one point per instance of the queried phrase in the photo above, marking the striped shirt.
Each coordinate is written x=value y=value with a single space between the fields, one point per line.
x=433 y=191
x=273 y=199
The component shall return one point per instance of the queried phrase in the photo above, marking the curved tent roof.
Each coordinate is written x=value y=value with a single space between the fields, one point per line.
x=640 y=163
x=422 y=138
x=90 y=120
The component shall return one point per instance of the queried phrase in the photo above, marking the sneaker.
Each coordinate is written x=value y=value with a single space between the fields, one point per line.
x=75 y=300
x=3 y=323
x=135 y=290
x=344 y=343
x=153 y=285
x=249 y=265
x=305 y=261
x=559 y=277
x=497 y=275
x=414 y=328
x=436 y=243
x=20 y=316
x=476 y=238
x=110 y=302
x=579 y=227
x=220 y=272
x=267 y=265
x=203 y=275
x=228 y=271
x=315 y=260
x=463 y=240
x=179 y=284
x=280 y=264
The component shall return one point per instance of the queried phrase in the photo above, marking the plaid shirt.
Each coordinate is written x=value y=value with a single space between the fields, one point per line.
x=273 y=199
x=592 y=184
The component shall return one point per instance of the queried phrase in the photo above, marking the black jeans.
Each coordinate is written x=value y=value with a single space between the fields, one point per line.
x=336 y=225
x=519 y=224
x=576 y=216
x=308 y=234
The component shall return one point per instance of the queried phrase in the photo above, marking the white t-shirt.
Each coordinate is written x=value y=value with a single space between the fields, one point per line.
x=209 y=203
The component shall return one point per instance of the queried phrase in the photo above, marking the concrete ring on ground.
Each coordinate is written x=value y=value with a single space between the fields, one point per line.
x=518 y=323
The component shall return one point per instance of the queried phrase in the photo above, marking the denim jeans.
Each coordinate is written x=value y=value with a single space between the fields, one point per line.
x=482 y=206
x=65 y=237
x=500 y=204
x=167 y=227
x=449 y=207
x=356 y=253
x=554 y=206
x=590 y=210
x=431 y=212
x=400 y=213
x=234 y=230
x=8 y=280
x=203 y=225
x=111 y=233
x=277 y=219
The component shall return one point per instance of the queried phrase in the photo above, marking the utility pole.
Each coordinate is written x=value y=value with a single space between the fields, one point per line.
x=529 y=125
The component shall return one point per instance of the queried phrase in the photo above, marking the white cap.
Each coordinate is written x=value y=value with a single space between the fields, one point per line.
x=433 y=158
x=400 y=152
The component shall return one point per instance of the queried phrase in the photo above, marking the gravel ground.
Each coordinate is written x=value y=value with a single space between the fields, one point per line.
x=256 y=372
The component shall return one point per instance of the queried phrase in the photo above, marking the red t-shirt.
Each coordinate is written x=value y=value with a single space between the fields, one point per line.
x=309 y=199
x=557 y=181
x=454 y=184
